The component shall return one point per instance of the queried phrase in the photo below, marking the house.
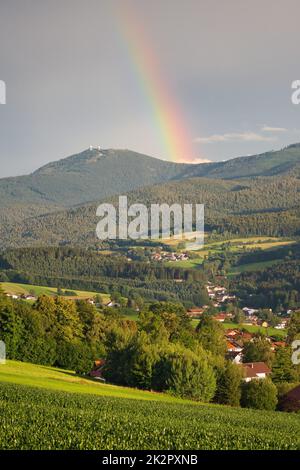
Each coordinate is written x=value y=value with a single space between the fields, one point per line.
x=28 y=297
x=255 y=370
x=111 y=303
x=249 y=311
x=282 y=325
x=246 y=336
x=195 y=312
x=279 y=344
x=13 y=296
x=221 y=317
x=97 y=370
x=235 y=357
x=231 y=333
x=233 y=346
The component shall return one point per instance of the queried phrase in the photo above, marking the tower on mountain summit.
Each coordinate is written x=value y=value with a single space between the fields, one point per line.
x=95 y=148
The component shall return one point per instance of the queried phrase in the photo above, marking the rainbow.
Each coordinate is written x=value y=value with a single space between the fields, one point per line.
x=175 y=139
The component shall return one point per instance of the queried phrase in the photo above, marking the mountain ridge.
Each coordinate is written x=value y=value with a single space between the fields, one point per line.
x=94 y=174
x=97 y=174
x=261 y=206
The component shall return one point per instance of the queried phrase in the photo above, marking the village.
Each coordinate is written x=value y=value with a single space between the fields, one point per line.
x=237 y=336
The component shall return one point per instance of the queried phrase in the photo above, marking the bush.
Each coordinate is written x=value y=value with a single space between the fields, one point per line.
x=186 y=374
x=74 y=356
x=260 y=394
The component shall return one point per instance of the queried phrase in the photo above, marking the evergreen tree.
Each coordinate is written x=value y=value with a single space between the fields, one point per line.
x=229 y=385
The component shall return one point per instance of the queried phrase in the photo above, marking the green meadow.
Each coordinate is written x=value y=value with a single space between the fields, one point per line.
x=64 y=411
x=19 y=289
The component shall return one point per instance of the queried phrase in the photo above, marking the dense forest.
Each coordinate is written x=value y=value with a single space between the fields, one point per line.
x=259 y=206
x=88 y=270
x=276 y=287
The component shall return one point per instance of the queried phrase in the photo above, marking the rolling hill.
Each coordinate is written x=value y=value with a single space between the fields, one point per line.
x=87 y=176
x=56 y=204
x=261 y=206
x=96 y=174
x=65 y=411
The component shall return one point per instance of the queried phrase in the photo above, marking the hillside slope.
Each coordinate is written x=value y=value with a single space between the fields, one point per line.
x=262 y=206
x=87 y=176
x=96 y=174
x=54 y=205
x=84 y=420
x=281 y=162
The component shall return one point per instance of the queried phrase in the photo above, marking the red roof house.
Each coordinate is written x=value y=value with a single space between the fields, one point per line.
x=255 y=370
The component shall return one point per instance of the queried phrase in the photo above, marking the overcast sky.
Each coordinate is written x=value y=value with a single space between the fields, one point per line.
x=71 y=83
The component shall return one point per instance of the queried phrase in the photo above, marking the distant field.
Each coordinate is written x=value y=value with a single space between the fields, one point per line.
x=190 y=263
x=233 y=245
x=256 y=329
x=109 y=418
x=259 y=266
x=264 y=243
x=19 y=289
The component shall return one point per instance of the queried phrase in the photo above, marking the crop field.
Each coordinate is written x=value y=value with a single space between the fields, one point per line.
x=19 y=289
x=60 y=420
x=98 y=416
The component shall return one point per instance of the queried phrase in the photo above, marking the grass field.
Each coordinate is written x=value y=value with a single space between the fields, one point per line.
x=235 y=245
x=19 y=289
x=251 y=328
x=50 y=378
x=92 y=420
x=250 y=267
x=257 y=329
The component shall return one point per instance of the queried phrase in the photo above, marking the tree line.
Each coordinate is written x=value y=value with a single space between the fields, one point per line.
x=160 y=351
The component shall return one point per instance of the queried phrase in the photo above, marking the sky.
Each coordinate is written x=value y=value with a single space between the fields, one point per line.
x=190 y=80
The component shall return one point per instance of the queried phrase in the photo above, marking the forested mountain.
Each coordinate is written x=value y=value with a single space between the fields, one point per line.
x=95 y=174
x=282 y=162
x=87 y=176
x=261 y=206
x=55 y=204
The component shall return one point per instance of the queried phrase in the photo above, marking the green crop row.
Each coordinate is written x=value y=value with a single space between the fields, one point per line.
x=33 y=418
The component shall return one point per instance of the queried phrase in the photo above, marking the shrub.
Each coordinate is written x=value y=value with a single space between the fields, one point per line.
x=260 y=394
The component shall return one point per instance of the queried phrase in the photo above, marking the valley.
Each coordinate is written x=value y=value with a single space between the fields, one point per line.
x=149 y=325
